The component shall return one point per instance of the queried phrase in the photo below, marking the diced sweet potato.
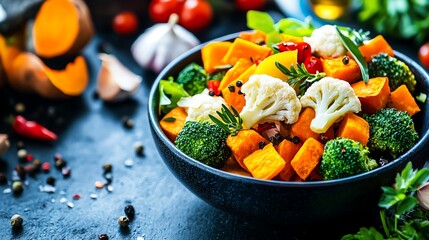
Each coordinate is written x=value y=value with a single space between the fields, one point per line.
x=375 y=46
x=347 y=70
x=373 y=95
x=301 y=128
x=244 y=144
x=403 y=100
x=173 y=122
x=212 y=55
x=264 y=163
x=307 y=158
x=287 y=149
x=241 y=48
x=354 y=127
x=236 y=71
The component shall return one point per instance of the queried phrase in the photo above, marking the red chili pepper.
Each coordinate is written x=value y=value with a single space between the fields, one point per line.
x=32 y=129
x=213 y=85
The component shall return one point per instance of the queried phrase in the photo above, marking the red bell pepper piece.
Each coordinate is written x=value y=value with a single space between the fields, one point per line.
x=213 y=85
x=32 y=129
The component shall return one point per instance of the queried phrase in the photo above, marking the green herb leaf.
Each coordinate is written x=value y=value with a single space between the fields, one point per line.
x=406 y=205
x=261 y=21
x=354 y=50
x=231 y=121
x=421 y=177
x=169 y=119
x=295 y=27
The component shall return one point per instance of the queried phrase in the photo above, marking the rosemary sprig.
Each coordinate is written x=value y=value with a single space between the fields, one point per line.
x=231 y=121
x=299 y=78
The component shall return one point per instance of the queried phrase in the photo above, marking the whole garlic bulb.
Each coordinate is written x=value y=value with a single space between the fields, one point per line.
x=161 y=43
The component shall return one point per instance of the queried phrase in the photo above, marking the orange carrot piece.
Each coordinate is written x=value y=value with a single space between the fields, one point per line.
x=336 y=68
x=173 y=122
x=354 y=127
x=212 y=54
x=244 y=144
x=403 y=100
x=287 y=150
x=241 y=48
x=264 y=163
x=307 y=158
x=375 y=46
x=373 y=95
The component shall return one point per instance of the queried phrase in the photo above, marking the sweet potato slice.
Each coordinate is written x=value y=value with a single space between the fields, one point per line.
x=373 y=95
x=287 y=149
x=212 y=55
x=354 y=127
x=307 y=158
x=403 y=100
x=264 y=163
x=173 y=122
x=347 y=70
x=375 y=46
x=241 y=48
x=301 y=128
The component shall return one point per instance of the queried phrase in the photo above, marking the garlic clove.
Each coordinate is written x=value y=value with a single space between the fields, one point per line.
x=423 y=196
x=161 y=43
x=115 y=81
x=4 y=143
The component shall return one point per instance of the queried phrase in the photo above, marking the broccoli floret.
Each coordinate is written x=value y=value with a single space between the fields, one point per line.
x=391 y=132
x=218 y=75
x=205 y=142
x=383 y=65
x=343 y=157
x=193 y=78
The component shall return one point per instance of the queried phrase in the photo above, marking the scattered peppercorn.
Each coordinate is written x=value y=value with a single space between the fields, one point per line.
x=129 y=211
x=239 y=83
x=16 y=221
x=57 y=156
x=103 y=236
x=109 y=177
x=240 y=92
x=345 y=60
x=50 y=180
x=66 y=172
x=231 y=88
x=139 y=148
x=295 y=139
x=123 y=221
x=3 y=178
x=60 y=163
x=37 y=164
x=22 y=154
x=262 y=145
x=17 y=187
x=46 y=167
x=20 y=171
x=211 y=93
x=107 y=167
x=128 y=122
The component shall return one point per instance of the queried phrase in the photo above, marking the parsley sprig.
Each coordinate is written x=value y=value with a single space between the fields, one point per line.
x=401 y=216
x=299 y=78
x=231 y=121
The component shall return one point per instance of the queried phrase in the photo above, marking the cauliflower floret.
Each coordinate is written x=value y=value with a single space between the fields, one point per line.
x=331 y=99
x=201 y=105
x=268 y=99
x=326 y=42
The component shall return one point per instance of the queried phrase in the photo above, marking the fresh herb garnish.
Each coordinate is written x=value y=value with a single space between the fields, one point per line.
x=169 y=119
x=357 y=36
x=299 y=78
x=231 y=121
x=354 y=51
x=401 y=216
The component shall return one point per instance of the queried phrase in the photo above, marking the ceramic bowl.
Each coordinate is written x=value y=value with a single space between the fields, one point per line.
x=285 y=202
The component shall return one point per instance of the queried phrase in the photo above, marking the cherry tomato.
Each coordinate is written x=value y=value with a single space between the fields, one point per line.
x=313 y=64
x=246 y=5
x=125 y=23
x=304 y=51
x=213 y=86
x=424 y=54
x=160 y=10
x=196 y=15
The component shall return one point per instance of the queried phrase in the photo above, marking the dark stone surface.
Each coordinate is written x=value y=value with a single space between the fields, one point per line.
x=91 y=134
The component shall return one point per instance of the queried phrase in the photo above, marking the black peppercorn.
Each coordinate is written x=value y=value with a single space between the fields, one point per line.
x=127 y=122
x=239 y=83
x=345 y=60
x=109 y=177
x=17 y=187
x=16 y=221
x=231 y=88
x=107 y=167
x=20 y=170
x=50 y=180
x=123 y=221
x=240 y=92
x=139 y=148
x=211 y=93
x=103 y=236
x=262 y=145
x=295 y=139
x=60 y=163
x=129 y=211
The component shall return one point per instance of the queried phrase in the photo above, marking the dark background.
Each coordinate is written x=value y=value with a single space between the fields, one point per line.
x=91 y=133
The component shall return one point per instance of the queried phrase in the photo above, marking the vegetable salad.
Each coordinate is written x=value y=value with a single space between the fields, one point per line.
x=291 y=102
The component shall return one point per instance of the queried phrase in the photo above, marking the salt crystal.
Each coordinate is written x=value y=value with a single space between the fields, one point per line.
x=63 y=200
x=47 y=188
x=70 y=205
x=7 y=190
x=93 y=196
x=109 y=188
x=129 y=162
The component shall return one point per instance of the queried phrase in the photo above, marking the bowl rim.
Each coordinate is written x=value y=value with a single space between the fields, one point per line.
x=152 y=111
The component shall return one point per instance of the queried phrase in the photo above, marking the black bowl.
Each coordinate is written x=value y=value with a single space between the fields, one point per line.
x=285 y=202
